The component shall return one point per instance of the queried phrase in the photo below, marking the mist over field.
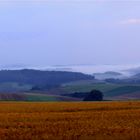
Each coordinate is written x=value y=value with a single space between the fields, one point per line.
x=87 y=69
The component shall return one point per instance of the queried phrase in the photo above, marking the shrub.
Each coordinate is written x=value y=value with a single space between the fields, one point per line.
x=94 y=95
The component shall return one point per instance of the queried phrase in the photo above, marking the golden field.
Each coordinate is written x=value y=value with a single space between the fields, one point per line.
x=70 y=121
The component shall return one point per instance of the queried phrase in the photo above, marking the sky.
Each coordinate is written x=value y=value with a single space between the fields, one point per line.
x=69 y=32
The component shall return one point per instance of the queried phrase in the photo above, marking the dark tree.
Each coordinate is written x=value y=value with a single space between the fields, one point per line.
x=94 y=95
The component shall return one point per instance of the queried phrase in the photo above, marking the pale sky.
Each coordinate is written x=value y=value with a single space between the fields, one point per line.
x=63 y=32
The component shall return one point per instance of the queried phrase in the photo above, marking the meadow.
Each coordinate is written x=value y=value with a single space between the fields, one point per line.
x=70 y=120
x=111 y=91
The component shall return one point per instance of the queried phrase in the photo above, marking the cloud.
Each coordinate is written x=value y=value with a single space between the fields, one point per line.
x=130 y=21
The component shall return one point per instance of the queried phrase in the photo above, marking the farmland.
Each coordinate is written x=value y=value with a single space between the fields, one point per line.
x=111 y=91
x=73 y=120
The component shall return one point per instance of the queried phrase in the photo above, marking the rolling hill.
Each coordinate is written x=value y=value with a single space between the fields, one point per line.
x=107 y=75
x=23 y=80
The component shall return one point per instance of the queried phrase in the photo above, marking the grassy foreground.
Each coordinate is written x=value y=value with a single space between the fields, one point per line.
x=70 y=121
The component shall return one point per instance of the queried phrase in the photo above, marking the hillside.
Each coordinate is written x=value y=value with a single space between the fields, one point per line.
x=20 y=80
x=136 y=76
x=36 y=85
x=12 y=97
x=134 y=79
x=111 y=91
x=124 y=92
x=107 y=75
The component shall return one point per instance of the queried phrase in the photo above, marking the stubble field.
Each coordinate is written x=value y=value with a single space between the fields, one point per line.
x=70 y=121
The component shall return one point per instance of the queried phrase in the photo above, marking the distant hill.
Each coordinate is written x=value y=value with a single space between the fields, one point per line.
x=135 y=79
x=133 y=71
x=24 y=79
x=107 y=75
x=12 y=97
x=136 y=76
x=37 y=85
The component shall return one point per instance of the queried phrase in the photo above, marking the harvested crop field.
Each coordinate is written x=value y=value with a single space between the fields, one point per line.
x=70 y=121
